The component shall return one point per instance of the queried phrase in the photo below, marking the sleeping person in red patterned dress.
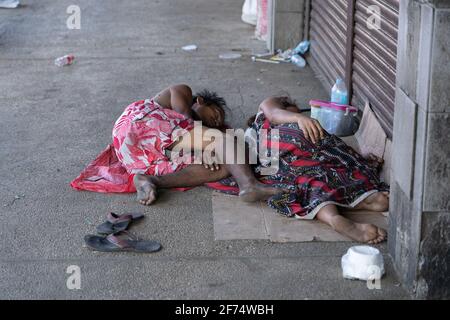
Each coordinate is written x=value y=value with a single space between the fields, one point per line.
x=319 y=171
x=144 y=136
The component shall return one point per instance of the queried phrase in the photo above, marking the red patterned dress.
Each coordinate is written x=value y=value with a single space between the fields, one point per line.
x=329 y=172
x=141 y=136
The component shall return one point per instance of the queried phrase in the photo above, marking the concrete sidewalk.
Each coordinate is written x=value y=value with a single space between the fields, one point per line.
x=54 y=121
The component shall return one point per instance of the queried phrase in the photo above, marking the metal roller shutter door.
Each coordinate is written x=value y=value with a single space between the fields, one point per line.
x=328 y=32
x=343 y=46
x=375 y=60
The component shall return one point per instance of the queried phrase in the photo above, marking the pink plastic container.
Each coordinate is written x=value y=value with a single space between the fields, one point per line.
x=338 y=119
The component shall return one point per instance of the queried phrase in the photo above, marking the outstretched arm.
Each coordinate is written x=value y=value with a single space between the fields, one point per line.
x=275 y=111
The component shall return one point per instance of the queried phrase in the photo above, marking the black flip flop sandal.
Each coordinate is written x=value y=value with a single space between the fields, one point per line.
x=121 y=242
x=115 y=223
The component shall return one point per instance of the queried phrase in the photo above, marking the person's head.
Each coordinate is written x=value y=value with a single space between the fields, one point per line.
x=209 y=108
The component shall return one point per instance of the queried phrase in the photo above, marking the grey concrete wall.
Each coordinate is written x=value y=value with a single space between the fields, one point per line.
x=287 y=23
x=420 y=189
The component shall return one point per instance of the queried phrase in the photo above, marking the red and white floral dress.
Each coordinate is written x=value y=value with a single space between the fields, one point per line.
x=141 y=136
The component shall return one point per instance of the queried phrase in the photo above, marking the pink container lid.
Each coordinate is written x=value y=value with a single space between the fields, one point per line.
x=336 y=106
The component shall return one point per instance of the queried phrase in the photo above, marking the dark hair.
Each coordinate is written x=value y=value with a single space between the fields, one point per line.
x=251 y=120
x=287 y=102
x=211 y=98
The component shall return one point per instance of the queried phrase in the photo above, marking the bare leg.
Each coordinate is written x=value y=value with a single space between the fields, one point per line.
x=251 y=190
x=378 y=202
x=191 y=176
x=361 y=232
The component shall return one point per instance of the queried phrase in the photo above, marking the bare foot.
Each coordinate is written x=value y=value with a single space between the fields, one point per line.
x=258 y=192
x=361 y=232
x=378 y=202
x=146 y=189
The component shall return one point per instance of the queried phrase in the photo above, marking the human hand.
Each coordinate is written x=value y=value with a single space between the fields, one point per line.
x=311 y=128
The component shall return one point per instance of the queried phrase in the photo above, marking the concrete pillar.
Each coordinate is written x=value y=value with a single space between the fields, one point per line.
x=287 y=19
x=419 y=234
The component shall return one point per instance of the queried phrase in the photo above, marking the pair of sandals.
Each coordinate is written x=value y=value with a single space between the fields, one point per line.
x=114 y=236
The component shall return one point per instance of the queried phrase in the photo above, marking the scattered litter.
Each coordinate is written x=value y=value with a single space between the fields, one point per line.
x=190 y=47
x=363 y=263
x=230 y=56
x=264 y=54
x=298 y=60
x=294 y=56
x=65 y=61
x=9 y=4
x=16 y=197
x=280 y=59
x=285 y=55
x=297 y=57
x=302 y=47
x=254 y=59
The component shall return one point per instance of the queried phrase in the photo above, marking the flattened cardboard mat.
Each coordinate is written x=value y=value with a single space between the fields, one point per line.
x=236 y=220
